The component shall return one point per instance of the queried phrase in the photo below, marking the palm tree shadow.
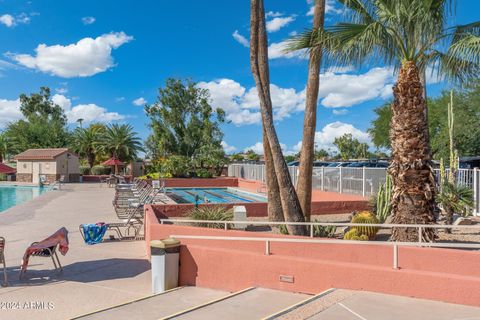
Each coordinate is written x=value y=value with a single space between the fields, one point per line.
x=83 y=271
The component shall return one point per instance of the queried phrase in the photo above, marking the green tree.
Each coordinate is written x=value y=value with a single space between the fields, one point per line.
x=237 y=157
x=350 y=148
x=210 y=156
x=85 y=142
x=120 y=141
x=290 y=158
x=410 y=35
x=252 y=155
x=43 y=126
x=4 y=146
x=466 y=135
x=321 y=154
x=182 y=120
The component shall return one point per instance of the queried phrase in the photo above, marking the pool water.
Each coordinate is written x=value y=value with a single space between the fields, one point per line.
x=212 y=195
x=10 y=196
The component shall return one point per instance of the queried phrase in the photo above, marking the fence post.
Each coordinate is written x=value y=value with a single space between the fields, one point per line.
x=340 y=187
x=363 y=181
x=267 y=248
x=395 y=256
x=323 y=178
x=476 y=191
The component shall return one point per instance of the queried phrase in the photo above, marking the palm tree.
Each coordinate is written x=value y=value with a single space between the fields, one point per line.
x=307 y=153
x=259 y=65
x=410 y=35
x=4 y=146
x=120 y=142
x=85 y=142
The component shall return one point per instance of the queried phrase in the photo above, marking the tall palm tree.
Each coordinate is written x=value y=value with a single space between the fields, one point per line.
x=259 y=65
x=307 y=153
x=410 y=35
x=120 y=141
x=85 y=142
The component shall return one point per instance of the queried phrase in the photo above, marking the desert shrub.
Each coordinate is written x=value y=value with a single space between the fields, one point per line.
x=212 y=212
x=100 y=170
x=84 y=170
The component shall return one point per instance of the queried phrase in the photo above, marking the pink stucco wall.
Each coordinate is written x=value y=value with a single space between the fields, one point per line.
x=431 y=273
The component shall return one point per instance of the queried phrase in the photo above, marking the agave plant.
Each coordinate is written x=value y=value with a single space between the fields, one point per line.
x=455 y=198
x=214 y=213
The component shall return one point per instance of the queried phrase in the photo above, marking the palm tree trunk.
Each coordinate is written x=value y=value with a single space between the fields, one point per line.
x=411 y=170
x=275 y=212
x=259 y=64
x=307 y=153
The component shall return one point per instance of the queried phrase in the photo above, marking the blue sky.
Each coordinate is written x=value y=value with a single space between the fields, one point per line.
x=104 y=59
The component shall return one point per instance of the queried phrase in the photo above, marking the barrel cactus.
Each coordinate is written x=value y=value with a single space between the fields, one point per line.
x=362 y=232
x=353 y=234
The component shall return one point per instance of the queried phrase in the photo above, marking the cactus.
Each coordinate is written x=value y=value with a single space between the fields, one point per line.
x=362 y=232
x=353 y=234
x=383 y=203
x=453 y=152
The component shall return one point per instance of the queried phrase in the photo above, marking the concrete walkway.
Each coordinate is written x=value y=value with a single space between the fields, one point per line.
x=363 y=305
x=94 y=277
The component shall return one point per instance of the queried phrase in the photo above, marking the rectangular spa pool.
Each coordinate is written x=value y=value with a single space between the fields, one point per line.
x=212 y=195
x=12 y=195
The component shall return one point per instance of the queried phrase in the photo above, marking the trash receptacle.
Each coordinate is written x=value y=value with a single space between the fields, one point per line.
x=165 y=255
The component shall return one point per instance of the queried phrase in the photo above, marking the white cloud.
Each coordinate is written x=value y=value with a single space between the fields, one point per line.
x=273 y=14
x=11 y=21
x=119 y=99
x=324 y=138
x=242 y=105
x=330 y=8
x=9 y=111
x=240 y=39
x=7 y=20
x=279 y=22
x=88 y=20
x=276 y=50
x=340 y=112
x=61 y=90
x=88 y=112
x=139 y=101
x=227 y=148
x=85 y=58
x=345 y=90
x=258 y=148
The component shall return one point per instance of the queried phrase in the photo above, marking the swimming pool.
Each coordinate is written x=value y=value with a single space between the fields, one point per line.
x=212 y=195
x=10 y=196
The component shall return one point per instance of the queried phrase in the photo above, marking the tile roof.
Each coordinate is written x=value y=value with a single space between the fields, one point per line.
x=41 y=154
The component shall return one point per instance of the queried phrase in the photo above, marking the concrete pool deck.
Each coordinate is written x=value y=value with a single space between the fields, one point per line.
x=93 y=277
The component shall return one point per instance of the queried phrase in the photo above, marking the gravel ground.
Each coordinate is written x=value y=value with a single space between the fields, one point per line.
x=457 y=235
